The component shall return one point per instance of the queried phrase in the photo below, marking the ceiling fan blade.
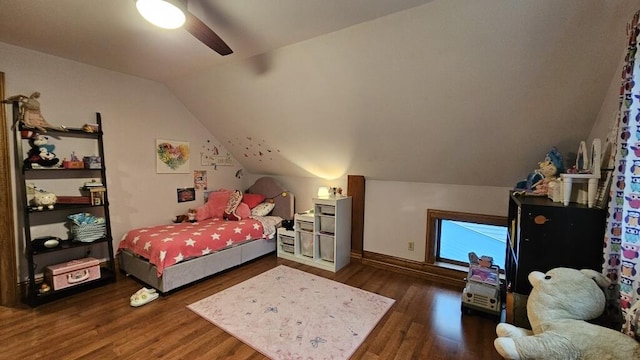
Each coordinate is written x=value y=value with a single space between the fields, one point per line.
x=203 y=33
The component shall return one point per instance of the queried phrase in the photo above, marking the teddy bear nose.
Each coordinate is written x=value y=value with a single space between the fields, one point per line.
x=547 y=277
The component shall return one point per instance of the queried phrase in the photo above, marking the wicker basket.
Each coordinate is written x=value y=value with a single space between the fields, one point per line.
x=88 y=232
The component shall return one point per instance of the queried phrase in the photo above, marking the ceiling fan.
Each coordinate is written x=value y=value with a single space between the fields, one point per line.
x=172 y=14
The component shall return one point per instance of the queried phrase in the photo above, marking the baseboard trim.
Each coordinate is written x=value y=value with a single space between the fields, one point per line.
x=435 y=273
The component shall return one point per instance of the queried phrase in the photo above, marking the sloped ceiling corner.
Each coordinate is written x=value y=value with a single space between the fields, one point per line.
x=457 y=92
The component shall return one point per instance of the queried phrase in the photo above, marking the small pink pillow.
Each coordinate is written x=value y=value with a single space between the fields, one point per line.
x=252 y=199
x=202 y=213
x=217 y=202
x=243 y=211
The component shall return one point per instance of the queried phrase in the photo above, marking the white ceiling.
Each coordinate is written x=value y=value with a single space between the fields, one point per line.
x=442 y=91
x=112 y=35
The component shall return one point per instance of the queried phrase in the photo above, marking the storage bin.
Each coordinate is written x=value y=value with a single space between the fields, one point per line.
x=327 y=224
x=305 y=226
x=287 y=248
x=71 y=273
x=286 y=240
x=88 y=232
x=326 y=209
x=326 y=247
x=306 y=244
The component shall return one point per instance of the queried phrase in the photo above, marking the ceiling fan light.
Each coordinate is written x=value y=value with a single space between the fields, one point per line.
x=161 y=13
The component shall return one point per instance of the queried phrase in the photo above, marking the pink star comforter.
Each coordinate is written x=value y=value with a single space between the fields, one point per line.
x=165 y=245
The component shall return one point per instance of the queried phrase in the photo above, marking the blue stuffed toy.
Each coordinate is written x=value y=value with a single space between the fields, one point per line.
x=548 y=169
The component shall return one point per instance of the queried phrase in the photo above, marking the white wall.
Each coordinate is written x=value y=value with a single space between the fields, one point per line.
x=396 y=212
x=135 y=112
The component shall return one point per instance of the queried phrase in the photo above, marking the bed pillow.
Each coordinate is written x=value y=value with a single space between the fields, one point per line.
x=243 y=211
x=217 y=202
x=263 y=209
x=202 y=213
x=252 y=200
x=232 y=205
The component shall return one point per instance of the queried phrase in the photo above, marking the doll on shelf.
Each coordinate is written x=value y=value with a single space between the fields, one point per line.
x=537 y=182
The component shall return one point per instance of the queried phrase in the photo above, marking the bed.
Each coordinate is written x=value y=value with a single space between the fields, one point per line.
x=169 y=256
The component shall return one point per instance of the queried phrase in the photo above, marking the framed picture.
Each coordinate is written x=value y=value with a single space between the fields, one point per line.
x=172 y=157
x=186 y=194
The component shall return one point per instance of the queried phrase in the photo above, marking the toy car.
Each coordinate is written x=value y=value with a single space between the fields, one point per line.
x=483 y=289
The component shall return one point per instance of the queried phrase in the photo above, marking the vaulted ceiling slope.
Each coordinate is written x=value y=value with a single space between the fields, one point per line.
x=445 y=91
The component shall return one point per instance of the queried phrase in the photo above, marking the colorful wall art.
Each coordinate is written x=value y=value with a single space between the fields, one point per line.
x=172 y=157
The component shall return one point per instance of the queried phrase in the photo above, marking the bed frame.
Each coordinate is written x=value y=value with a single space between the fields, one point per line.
x=186 y=272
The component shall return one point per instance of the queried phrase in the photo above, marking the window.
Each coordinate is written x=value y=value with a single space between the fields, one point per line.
x=452 y=235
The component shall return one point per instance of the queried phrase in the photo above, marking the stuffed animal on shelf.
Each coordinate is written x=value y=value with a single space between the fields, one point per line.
x=30 y=114
x=560 y=302
x=537 y=181
x=44 y=199
x=41 y=153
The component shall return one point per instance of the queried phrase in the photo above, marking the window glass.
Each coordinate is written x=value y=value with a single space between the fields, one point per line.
x=457 y=238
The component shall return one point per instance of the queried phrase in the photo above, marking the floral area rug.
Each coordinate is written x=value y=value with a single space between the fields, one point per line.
x=286 y=313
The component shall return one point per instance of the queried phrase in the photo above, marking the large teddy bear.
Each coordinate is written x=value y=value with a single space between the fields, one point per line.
x=560 y=302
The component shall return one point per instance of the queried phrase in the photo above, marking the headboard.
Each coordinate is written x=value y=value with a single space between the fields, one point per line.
x=272 y=189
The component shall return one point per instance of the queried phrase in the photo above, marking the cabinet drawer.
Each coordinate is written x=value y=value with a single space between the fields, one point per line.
x=306 y=244
x=286 y=239
x=304 y=226
x=326 y=247
x=327 y=224
x=326 y=209
x=287 y=248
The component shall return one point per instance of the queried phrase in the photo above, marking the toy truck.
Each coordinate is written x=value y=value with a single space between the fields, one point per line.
x=482 y=292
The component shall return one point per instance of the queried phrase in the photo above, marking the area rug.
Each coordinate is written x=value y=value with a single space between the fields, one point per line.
x=285 y=313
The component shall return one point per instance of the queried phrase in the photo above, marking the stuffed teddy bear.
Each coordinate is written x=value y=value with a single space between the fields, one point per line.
x=537 y=181
x=189 y=217
x=560 y=302
x=41 y=153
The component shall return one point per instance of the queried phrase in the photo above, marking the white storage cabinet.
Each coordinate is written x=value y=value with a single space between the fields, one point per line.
x=322 y=238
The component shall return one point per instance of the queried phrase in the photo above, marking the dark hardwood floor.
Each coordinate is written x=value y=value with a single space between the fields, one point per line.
x=424 y=323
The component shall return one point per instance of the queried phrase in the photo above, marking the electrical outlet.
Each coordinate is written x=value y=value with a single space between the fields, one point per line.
x=411 y=245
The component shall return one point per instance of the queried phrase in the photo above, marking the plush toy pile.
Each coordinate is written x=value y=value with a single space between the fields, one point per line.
x=560 y=302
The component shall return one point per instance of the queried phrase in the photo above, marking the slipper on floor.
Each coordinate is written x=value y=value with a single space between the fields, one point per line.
x=143 y=290
x=143 y=297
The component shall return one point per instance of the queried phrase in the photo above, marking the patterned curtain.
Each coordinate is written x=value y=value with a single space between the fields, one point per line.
x=622 y=238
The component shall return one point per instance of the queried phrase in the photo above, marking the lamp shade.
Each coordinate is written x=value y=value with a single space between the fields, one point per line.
x=162 y=13
x=323 y=192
